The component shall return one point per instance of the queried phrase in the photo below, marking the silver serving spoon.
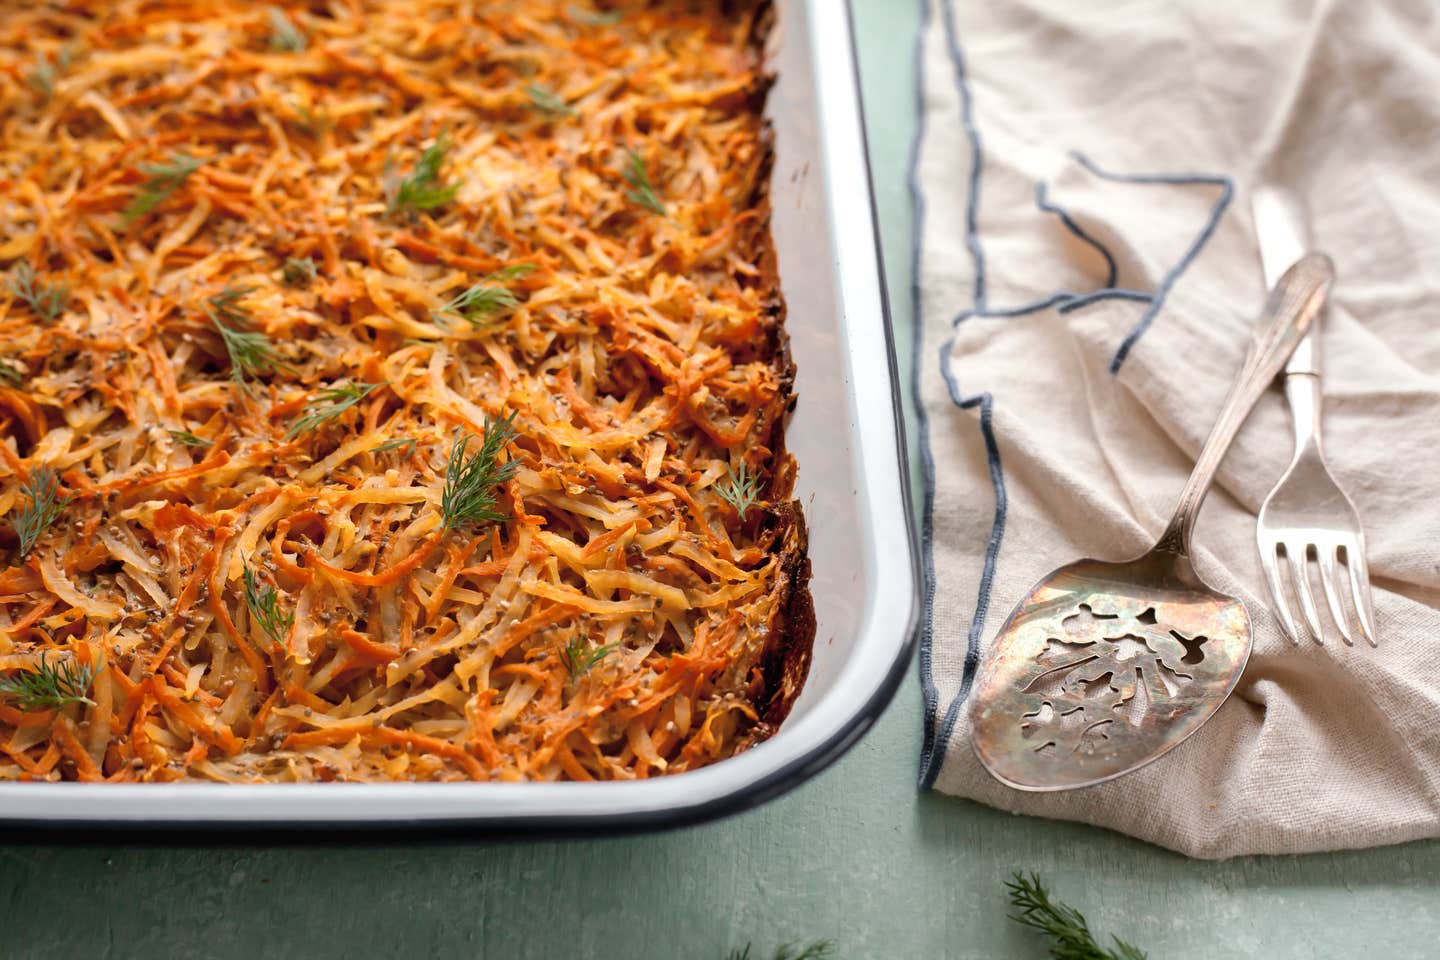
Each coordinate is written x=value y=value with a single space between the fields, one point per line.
x=1105 y=666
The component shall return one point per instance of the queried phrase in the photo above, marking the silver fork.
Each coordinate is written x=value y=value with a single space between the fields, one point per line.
x=1307 y=519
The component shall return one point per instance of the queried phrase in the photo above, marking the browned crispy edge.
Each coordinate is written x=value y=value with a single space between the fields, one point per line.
x=785 y=661
x=790 y=635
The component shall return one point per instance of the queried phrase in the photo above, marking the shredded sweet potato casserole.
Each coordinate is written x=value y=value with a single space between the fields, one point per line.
x=390 y=390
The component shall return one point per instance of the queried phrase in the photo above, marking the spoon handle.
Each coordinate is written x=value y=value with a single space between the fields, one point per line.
x=1289 y=311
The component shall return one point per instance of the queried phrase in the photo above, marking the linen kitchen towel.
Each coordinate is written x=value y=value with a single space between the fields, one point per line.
x=1088 y=277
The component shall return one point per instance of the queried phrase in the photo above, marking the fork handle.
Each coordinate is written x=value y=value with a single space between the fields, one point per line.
x=1302 y=390
x=1280 y=227
x=1305 y=361
x=1289 y=312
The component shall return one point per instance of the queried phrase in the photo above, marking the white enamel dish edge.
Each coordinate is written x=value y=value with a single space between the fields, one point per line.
x=851 y=483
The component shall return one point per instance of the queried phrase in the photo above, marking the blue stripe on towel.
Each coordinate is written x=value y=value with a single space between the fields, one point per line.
x=1112 y=271
x=932 y=752
x=929 y=692
x=1114 y=293
x=930 y=765
x=1227 y=190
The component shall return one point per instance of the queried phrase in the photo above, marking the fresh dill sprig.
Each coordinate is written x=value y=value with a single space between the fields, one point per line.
x=251 y=351
x=189 y=439
x=47 y=300
x=580 y=658
x=49 y=685
x=300 y=271
x=818 y=950
x=468 y=497
x=163 y=179
x=284 y=35
x=328 y=404
x=43 y=77
x=547 y=101
x=1069 y=934
x=264 y=605
x=423 y=189
x=484 y=299
x=405 y=444
x=642 y=192
x=596 y=18
x=226 y=307
x=12 y=374
x=44 y=509
x=740 y=489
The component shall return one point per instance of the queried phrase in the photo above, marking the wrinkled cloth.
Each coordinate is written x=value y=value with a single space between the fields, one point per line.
x=1110 y=150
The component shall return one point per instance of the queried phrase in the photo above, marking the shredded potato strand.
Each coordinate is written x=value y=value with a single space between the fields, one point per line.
x=624 y=620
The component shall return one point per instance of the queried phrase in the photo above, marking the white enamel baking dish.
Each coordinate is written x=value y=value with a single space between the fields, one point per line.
x=851 y=482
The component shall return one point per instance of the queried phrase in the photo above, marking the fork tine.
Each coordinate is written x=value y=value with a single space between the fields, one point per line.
x=1360 y=592
x=1328 y=572
x=1277 y=591
x=1301 y=582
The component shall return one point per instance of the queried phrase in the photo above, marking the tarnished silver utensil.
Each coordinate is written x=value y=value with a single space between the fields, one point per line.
x=1105 y=666
x=1308 y=515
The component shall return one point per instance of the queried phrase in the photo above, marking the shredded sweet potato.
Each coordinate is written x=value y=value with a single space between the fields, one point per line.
x=240 y=596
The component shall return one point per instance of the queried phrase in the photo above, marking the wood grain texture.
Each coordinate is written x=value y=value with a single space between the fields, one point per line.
x=856 y=855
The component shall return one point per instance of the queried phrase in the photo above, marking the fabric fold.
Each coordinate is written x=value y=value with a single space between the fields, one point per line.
x=1088 y=277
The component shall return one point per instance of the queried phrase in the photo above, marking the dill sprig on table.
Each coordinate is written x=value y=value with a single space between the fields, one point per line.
x=47 y=300
x=422 y=189
x=642 y=192
x=468 y=498
x=329 y=403
x=740 y=489
x=1070 y=936
x=580 y=658
x=486 y=298
x=163 y=179
x=251 y=351
x=49 y=685
x=44 y=508
x=818 y=950
x=546 y=101
x=284 y=35
x=264 y=605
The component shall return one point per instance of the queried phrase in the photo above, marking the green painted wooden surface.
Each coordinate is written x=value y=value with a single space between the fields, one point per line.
x=856 y=855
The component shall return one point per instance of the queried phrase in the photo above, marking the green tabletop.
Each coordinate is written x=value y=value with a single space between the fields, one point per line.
x=857 y=855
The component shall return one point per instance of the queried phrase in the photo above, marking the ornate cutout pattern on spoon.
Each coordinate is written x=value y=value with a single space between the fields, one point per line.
x=1106 y=669
x=1088 y=681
